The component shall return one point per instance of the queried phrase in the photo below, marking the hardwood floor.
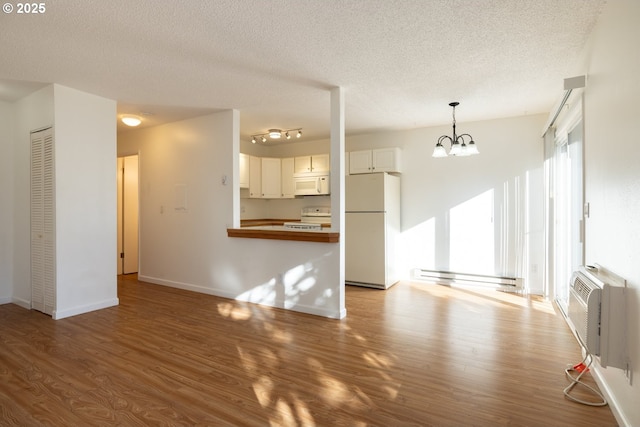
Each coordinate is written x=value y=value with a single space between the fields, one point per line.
x=415 y=355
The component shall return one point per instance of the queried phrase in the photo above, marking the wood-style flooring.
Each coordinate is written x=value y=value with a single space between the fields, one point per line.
x=415 y=355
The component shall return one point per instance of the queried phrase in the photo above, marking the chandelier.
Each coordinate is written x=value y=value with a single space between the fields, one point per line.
x=275 y=134
x=458 y=145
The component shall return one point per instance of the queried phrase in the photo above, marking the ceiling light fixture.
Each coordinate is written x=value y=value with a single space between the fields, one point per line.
x=458 y=145
x=275 y=134
x=131 y=120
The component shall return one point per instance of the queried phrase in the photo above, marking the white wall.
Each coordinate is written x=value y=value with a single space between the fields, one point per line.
x=35 y=111
x=85 y=155
x=612 y=175
x=190 y=249
x=7 y=117
x=85 y=165
x=507 y=173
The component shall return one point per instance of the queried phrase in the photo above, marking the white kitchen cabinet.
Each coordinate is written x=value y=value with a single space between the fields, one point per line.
x=372 y=161
x=271 y=172
x=360 y=162
x=316 y=163
x=255 y=177
x=273 y=178
x=244 y=171
x=286 y=178
x=386 y=160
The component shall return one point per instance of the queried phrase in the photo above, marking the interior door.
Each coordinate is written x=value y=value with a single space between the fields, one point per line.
x=128 y=215
x=43 y=274
x=120 y=250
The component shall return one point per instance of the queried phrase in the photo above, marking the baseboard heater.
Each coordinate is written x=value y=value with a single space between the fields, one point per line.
x=450 y=277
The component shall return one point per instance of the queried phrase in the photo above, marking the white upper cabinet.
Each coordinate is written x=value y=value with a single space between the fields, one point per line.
x=273 y=177
x=360 y=162
x=271 y=171
x=386 y=160
x=286 y=178
x=307 y=164
x=244 y=171
x=255 y=177
x=372 y=161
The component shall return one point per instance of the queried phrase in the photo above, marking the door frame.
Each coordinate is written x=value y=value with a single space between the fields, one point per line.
x=128 y=231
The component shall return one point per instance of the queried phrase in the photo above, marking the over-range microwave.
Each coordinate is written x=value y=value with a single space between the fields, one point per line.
x=311 y=185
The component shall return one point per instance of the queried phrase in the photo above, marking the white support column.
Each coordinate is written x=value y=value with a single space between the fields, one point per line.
x=235 y=170
x=337 y=179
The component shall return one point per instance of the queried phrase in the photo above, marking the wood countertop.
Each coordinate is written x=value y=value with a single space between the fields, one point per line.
x=252 y=228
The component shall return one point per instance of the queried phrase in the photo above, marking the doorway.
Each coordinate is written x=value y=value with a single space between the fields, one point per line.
x=569 y=225
x=128 y=214
x=565 y=203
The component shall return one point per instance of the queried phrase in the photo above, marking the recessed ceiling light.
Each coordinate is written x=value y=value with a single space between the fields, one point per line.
x=131 y=121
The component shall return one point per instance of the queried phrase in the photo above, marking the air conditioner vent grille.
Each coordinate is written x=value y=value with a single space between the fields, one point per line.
x=584 y=311
x=582 y=288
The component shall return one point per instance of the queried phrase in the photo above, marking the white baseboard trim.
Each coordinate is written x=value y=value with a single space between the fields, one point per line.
x=74 y=311
x=185 y=286
x=5 y=300
x=606 y=391
x=224 y=294
x=21 y=302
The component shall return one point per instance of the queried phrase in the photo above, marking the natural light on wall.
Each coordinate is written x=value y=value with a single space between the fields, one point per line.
x=416 y=247
x=471 y=235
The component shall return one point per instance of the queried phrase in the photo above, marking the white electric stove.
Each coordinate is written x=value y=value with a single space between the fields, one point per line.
x=311 y=218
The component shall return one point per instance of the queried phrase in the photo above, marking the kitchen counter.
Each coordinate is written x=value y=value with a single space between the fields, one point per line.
x=274 y=229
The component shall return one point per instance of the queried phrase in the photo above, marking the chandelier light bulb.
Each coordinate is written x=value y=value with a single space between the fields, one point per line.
x=455 y=149
x=439 y=151
x=472 y=148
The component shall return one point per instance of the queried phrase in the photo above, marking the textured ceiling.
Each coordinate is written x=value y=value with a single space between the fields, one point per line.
x=400 y=61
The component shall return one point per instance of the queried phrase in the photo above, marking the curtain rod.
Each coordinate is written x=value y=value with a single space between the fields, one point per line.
x=570 y=84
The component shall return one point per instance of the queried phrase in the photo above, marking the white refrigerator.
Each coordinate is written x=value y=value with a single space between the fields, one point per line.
x=372 y=227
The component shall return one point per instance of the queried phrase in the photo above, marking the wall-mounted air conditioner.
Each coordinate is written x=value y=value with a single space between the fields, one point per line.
x=584 y=311
x=597 y=314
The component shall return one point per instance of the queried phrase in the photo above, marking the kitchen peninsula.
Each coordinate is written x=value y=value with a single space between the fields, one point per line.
x=313 y=226
x=275 y=229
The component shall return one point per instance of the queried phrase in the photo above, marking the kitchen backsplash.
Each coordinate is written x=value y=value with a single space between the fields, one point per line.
x=279 y=208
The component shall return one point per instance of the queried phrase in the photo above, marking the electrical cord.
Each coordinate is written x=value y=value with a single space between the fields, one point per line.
x=582 y=368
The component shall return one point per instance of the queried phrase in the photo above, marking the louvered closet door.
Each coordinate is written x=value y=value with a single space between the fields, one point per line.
x=42 y=222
